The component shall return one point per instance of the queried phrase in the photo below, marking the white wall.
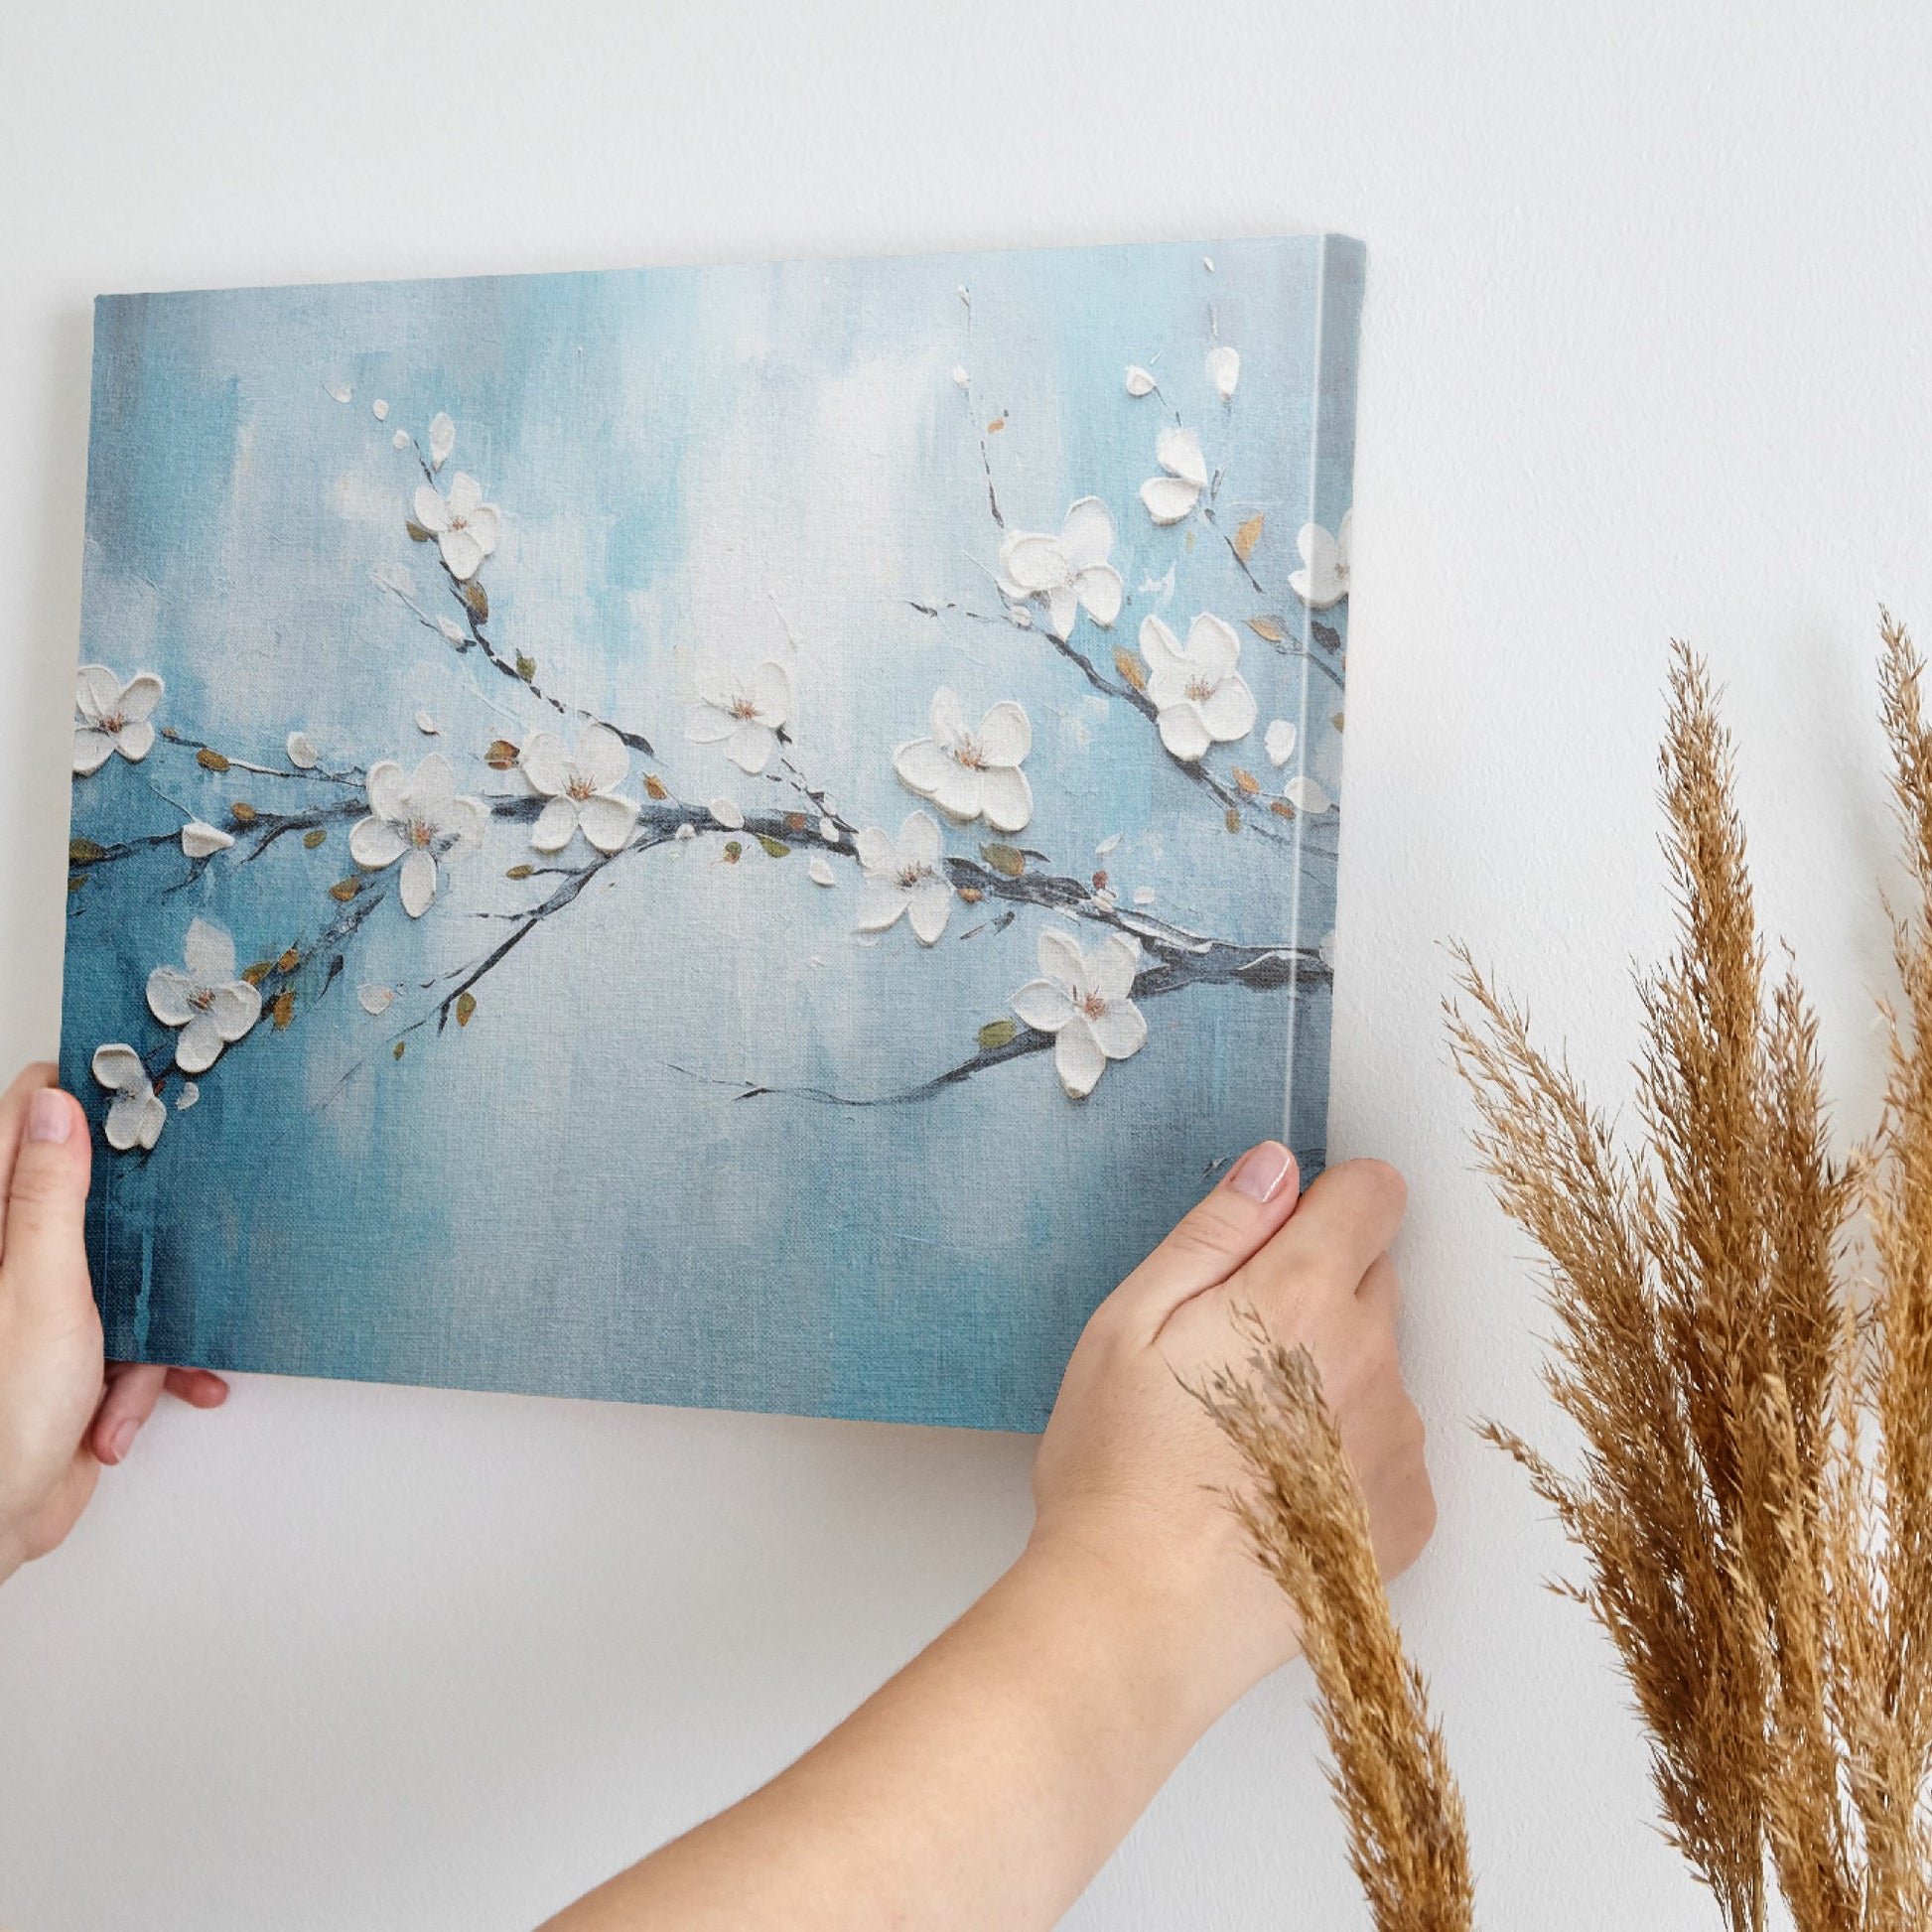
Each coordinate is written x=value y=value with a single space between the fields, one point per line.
x=1646 y=352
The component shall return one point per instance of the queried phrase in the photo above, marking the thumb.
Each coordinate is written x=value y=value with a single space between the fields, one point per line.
x=43 y=1259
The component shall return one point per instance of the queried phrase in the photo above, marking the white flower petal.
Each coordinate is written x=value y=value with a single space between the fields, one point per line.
x=770 y=692
x=751 y=746
x=171 y=996
x=875 y=850
x=1087 y=535
x=208 y=953
x=1322 y=582
x=431 y=786
x=442 y=439
x=380 y=410
x=1139 y=381
x=135 y=740
x=1223 y=369
x=607 y=822
x=1106 y=845
x=929 y=906
x=728 y=812
x=140 y=695
x=1112 y=966
x=828 y=831
x=198 y=1044
x=1005 y=799
x=119 y=1067
x=453 y=632
x=1006 y=734
x=431 y=513
x=947 y=716
x=463 y=552
x=399 y=441
x=341 y=391
x=545 y=764
x=960 y=791
x=1169 y=499
x=466 y=494
x=920 y=841
x=375 y=1000
x=235 y=1009
x=385 y=788
x=880 y=904
x=418 y=881
x=1182 y=731
x=375 y=842
x=1035 y=563
x=1099 y=588
x=1229 y=714
x=1063 y=610
x=198 y=839
x=1059 y=959
x=1178 y=452
x=97 y=692
x=556 y=825
x=427 y=725
x=1214 y=646
x=1306 y=794
x=923 y=766
x=1120 y=1031
x=302 y=752
x=1043 y=1005
x=821 y=870
x=708 y=725
x=602 y=757
x=92 y=749
x=1078 y=1058
x=1280 y=741
x=135 y=1119
x=186 y=1097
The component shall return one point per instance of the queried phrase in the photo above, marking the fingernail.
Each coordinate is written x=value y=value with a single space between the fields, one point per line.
x=48 y=1117
x=122 y=1439
x=1260 y=1171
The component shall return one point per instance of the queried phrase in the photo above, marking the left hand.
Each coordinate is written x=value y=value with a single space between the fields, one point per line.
x=64 y=1410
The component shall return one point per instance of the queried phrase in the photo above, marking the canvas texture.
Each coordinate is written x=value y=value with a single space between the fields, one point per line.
x=743 y=837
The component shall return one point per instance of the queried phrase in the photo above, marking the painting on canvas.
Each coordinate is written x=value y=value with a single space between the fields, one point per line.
x=729 y=836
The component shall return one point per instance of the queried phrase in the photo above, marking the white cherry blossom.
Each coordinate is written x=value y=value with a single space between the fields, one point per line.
x=1323 y=578
x=465 y=527
x=418 y=819
x=1224 y=369
x=137 y=1114
x=971 y=773
x=1280 y=741
x=1139 y=381
x=302 y=751
x=1199 y=698
x=904 y=874
x=113 y=717
x=581 y=788
x=1084 y=1000
x=1171 y=498
x=1308 y=794
x=204 y=998
x=1068 y=571
x=743 y=714
x=199 y=840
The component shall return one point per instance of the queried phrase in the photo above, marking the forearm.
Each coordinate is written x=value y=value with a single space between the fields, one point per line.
x=984 y=1785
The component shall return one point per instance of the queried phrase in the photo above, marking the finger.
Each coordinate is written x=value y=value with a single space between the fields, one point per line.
x=133 y=1388
x=13 y=1122
x=200 y=1388
x=1246 y=1208
x=1380 y=1293
x=1347 y=1217
x=44 y=1264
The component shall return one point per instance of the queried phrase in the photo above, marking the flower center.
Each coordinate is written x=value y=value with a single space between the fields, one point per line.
x=419 y=834
x=202 y=998
x=966 y=752
x=579 y=788
x=1093 y=1006
x=1200 y=689
x=112 y=722
x=910 y=876
x=745 y=708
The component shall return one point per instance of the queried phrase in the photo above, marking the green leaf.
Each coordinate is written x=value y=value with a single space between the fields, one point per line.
x=997 y=1032
x=526 y=667
x=76 y=881
x=478 y=599
x=83 y=852
x=312 y=839
x=775 y=848
x=1007 y=859
x=520 y=871
x=417 y=534
x=466 y=1007
x=401 y=1045
x=733 y=852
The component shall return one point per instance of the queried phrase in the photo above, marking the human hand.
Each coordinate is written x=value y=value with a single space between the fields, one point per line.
x=63 y=1412
x=1131 y=1474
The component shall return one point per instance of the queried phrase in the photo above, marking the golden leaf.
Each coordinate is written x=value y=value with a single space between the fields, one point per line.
x=83 y=852
x=1247 y=537
x=775 y=848
x=997 y=1032
x=284 y=1008
x=1007 y=859
x=1247 y=781
x=466 y=1007
x=971 y=895
x=996 y=426
x=1282 y=809
x=243 y=812
x=1269 y=629
x=520 y=871
x=502 y=755
x=289 y=961
x=477 y=598
x=655 y=787
x=211 y=760
x=1129 y=666
x=346 y=889
x=1336 y=720
x=417 y=534
x=1233 y=820
x=526 y=667
x=76 y=883
x=401 y=1045
x=313 y=838
x=259 y=971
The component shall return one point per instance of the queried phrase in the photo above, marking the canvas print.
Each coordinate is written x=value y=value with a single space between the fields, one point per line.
x=745 y=837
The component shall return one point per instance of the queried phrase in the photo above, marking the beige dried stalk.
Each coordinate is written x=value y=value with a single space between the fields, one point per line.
x=1308 y=1521
x=1754 y=1493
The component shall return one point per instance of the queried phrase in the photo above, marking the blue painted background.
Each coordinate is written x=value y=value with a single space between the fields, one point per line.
x=567 y=1195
